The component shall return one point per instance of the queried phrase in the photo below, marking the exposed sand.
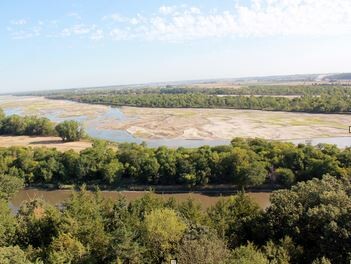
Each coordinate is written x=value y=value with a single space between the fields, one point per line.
x=50 y=142
x=33 y=105
x=153 y=123
x=209 y=124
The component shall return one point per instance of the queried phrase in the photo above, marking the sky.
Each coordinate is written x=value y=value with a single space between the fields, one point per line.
x=47 y=44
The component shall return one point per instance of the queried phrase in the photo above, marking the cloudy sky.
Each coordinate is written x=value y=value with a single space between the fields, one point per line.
x=46 y=44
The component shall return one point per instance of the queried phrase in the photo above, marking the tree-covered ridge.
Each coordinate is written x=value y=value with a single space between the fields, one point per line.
x=313 y=99
x=246 y=162
x=307 y=224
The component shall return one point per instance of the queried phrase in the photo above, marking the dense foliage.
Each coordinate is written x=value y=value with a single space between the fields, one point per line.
x=314 y=99
x=70 y=131
x=39 y=126
x=310 y=223
x=246 y=162
x=28 y=125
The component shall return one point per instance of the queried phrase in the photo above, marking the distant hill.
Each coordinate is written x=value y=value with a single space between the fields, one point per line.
x=339 y=77
x=275 y=79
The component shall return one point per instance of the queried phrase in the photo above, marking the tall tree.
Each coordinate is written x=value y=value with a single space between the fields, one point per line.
x=70 y=131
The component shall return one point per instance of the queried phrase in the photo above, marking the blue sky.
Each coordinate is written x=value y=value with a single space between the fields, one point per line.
x=46 y=44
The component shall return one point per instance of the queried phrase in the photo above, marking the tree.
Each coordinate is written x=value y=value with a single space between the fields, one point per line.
x=285 y=176
x=232 y=218
x=247 y=255
x=315 y=214
x=70 y=131
x=66 y=249
x=284 y=251
x=13 y=255
x=9 y=185
x=322 y=260
x=242 y=167
x=163 y=230
x=7 y=224
x=38 y=224
x=207 y=249
x=167 y=159
x=84 y=220
x=191 y=211
x=2 y=115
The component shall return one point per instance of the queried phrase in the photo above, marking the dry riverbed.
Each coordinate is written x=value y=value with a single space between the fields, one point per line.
x=153 y=123
x=204 y=124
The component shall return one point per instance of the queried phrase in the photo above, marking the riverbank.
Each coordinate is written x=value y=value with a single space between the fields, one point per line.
x=49 y=142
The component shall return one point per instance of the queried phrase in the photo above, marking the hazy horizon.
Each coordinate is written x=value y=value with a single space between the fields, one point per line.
x=73 y=44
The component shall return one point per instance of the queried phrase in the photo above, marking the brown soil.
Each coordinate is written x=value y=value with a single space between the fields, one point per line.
x=50 y=142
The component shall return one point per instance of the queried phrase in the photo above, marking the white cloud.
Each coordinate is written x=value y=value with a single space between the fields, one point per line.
x=118 y=34
x=74 y=15
x=97 y=35
x=114 y=17
x=79 y=29
x=19 y=22
x=259 y=18
x=26 y=34
x=166 y=10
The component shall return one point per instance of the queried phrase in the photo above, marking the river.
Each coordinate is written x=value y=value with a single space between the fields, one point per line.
x=56 y=197
x=93 y=116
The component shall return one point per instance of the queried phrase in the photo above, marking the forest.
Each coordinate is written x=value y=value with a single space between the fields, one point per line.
x=308 y=223
x=312 y=99
x=244 y=163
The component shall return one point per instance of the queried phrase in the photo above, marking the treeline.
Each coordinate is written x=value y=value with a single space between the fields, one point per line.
x=325 y=103
x=16 y=125
x=28 y=125
x=283 y=90
x=246 y=162
x=308 y=224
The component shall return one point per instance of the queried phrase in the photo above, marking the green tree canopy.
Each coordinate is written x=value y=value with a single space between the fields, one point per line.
x=13 y=255
x=70 y=131
x=164 y=229
x=315 y=214
x=248 y=255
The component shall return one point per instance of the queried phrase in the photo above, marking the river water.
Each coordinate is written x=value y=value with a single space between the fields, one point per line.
x=56 y=197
